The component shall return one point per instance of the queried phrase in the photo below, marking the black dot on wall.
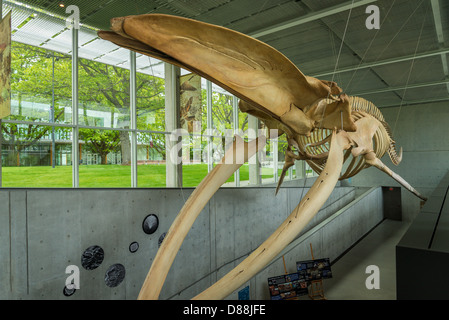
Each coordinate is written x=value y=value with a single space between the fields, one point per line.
x=161 y=239
x=68 y=292
x=92 y=257
x=114 y=275
x=133 y=247
x=150 y=224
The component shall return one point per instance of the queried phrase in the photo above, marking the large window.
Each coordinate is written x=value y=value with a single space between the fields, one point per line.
x=104 y=154
x=41 y=89
x=104 y=102
x=46 y=142
x=35 y=154
x=151 y=137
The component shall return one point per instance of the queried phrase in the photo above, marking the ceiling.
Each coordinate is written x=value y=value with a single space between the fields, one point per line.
x=404 y=62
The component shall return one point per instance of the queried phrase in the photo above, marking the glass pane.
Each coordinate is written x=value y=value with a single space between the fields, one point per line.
x=282 y=147
x=266 y=161
x=150 y=103
x=104 y=158
x=309 y=171
x=103 y=95
x=298 y=172
x=242 y=131
x=194 y=130
x=195 y=160
x=39 y=79
x=151 y=155
x=192 y=106
x=222 y=110
x=36 y=156
x=243 y=121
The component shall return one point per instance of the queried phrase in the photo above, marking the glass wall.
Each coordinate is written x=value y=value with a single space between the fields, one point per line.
x=36 y=156
x=40 y=88
x=40 y=81
x=151 y=157
x=105 y=158
x=44 y=145
x=34 y=152
x=103 y=95
x=104 y=102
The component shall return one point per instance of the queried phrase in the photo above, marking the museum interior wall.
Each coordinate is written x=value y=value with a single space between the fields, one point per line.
x=425 y=243
x=48 y=230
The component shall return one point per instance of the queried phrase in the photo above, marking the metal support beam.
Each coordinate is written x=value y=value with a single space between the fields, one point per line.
x=133 y=116
x=413 y=102
x=313 y=16
x=75 y=130
x=399 y=88
x=384 y=62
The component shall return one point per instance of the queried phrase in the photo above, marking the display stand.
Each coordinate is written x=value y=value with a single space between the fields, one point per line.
x=316 y=291
x=285 y=270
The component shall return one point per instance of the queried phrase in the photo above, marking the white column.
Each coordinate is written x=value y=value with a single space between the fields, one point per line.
x=254 y=163
x=235 y=120
x=75 y=132
x=300 y=166
x=209 y=124
x=172 y=123
x=133 y=117
x=274 y=147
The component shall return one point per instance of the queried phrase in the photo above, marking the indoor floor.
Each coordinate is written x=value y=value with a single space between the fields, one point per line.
x=349 y=272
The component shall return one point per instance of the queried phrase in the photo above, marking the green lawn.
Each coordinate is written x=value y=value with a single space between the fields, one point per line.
x=107 y=176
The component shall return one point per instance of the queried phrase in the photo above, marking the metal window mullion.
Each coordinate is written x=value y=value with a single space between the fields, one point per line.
x=274 y=150
x=1 y=135
x=235 y=120
x=75 y=130
x=133 y=115
x=209 y=126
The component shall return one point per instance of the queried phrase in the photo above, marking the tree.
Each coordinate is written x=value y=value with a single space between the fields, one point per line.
x=155 y=121
x=29 y=135
x=102 y=142
x=102 y=88
x=112 y=92
x=31 y=80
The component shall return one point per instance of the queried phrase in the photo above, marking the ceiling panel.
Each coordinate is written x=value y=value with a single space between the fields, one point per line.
x=19 y=15
x=404 y=29
x=412 y=72
x=59 y=44
x=233 y=11
x=384 y=99
x=267 y=15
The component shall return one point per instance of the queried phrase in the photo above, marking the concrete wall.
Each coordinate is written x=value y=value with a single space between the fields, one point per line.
x=42 y=231
x=425 y=247
x=329 y=239
x=422 y=131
